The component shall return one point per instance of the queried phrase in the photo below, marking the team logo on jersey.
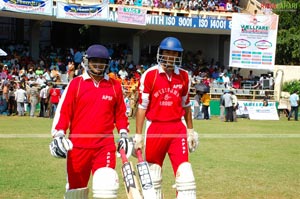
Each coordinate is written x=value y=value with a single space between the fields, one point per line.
x=177 y=86
x=172 y=91
x=107 y=97
x=167 y=97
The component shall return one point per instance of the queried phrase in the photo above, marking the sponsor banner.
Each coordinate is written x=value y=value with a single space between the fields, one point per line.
x=263 y=113
x=92 y=12
x=132 y=15
x=253 y=41
x=244 y=105
x=181 y=22
x=43 y=7
x=256 y=111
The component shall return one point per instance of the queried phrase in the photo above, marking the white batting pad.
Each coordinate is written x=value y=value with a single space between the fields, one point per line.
x=105 y=183
x=81 y=193
x=155 y=173
x=185 y=182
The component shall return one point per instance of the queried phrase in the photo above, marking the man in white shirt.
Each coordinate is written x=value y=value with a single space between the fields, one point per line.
x=123 y=73
x=226 y=80
x=20 y=97
x=40 y=80
x=294 y=100
x=44 y=100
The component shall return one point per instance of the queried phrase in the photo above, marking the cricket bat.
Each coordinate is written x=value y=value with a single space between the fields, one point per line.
x=144 y=177
x=129 y=177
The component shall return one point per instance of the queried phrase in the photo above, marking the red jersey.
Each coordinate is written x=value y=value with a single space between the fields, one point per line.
x=54 y=95
x=164 y=97
x=91 y=111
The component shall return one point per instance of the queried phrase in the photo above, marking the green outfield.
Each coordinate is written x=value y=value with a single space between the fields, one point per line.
x=247 y=159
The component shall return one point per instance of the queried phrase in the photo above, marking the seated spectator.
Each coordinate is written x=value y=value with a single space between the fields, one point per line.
x=226 y=80
x=55 y=74
x=71 y=70
x=138 y=3
x=204 y=4
x=206 y=80
x=40 y=80
x=222 y=3
x=200 y=6
x=176 y=4
x=22 y=71
x=216 y=3
x=236 y=6
x=156 y=3
x=30 y=74
x=250 y=76
x=47 y=75
x=237 y=82
x=113 y=67
x=123 y=73
x=191 y=5
x=169 y=4
x=220 y=79
x=211 y=6
x=146 y=3
x=215 y=74
x=39 y=71
x=183 y=5
x=195 y=5
x=229 y=6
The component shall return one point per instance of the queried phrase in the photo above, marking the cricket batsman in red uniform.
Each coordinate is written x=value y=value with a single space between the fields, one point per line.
x=164 y=102
x=91 y=107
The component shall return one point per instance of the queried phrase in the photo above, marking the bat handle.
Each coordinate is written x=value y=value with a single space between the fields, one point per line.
x=139 y=155
x=123 y=156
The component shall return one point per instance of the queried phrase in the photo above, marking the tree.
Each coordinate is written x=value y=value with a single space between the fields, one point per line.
x=288 y=37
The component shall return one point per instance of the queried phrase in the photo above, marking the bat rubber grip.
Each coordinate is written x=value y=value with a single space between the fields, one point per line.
x=139 y=155
x=123 y=156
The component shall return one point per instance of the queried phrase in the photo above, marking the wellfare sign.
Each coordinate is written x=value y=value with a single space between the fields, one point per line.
x=184 y=22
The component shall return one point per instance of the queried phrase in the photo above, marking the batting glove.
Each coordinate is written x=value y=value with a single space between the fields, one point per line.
x=124 y=143
x=60 y=145
x=138 y=141
x=193 y=140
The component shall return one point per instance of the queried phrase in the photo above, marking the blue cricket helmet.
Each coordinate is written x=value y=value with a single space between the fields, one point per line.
x=97 y=51
x=171 y=43
x=101 y=52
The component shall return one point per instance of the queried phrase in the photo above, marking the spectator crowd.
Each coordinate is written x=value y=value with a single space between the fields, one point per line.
x=23 y=80
x=200 y=5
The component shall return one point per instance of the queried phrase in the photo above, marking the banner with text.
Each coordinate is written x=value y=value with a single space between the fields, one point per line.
x=253 y=41
x=263 y=113
x=256 y=111
x=181 y=22
x=130 y=15
x=43 y=7
x=91 y=12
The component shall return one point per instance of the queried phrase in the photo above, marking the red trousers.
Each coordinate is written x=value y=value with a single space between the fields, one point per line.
x=166 y=138
x=81 y=162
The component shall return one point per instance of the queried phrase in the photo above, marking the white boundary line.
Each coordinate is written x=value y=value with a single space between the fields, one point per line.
x=204 y=136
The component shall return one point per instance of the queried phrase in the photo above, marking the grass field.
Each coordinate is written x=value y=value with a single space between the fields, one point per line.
x=247 y=159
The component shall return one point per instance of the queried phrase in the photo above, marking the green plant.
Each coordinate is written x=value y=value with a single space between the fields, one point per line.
x=291 y=86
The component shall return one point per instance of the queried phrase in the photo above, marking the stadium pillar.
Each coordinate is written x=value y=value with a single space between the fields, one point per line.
x=136 y=49
x=35 y=39
x=19 y=35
